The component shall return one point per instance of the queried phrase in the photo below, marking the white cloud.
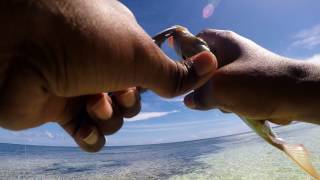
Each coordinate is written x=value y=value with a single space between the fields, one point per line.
x=307 y=38
x=315 y=57
x=176 y=99
x=49 y=134
x=37 y=136
x=149 y=115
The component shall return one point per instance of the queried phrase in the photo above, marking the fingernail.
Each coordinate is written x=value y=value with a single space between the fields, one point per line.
x=128 y=99
x=204 y=63
x=189 y=102
x=102 y=110
x=89 y=135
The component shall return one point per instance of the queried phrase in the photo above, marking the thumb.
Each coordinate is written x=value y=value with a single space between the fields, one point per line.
x=168 y=78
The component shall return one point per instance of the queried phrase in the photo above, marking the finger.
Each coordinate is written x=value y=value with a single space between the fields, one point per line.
x=281 y=121
x=202 y=98
x=88 y=136
x=168 y=78
x=111 y=126
x=104 y=113
x=99 y=106
x=128 y=101
x=224 y=111
x=80 y=126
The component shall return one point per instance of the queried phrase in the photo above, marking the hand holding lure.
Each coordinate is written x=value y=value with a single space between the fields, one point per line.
x=187 y=45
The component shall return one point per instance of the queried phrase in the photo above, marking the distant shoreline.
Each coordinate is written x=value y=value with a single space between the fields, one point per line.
x=167 y=143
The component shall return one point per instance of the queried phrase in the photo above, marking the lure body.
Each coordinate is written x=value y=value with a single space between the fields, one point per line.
x=186 y=45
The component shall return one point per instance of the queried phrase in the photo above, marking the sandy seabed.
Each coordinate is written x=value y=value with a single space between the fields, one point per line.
x=243 y=156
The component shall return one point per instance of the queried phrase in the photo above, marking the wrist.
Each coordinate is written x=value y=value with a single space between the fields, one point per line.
x=303 y=94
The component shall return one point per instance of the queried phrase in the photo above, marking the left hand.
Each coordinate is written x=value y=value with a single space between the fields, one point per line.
x=256 y=83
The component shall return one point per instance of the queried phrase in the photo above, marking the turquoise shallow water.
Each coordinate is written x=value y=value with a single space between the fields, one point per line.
x=242 y=156
x=252 y=158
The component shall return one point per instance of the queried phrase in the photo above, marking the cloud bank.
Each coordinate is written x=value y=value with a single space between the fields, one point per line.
x=149 y=115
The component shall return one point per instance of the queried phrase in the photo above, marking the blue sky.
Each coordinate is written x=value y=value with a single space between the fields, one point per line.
x=287 y=27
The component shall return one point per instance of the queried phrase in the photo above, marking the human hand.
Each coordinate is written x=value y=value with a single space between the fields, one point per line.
x=60 y=56
x=256 y=83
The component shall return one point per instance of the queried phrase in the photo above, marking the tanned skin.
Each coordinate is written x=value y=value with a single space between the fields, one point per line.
x=59 y=57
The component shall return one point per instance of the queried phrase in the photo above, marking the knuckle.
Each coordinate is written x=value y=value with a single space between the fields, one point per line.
x=207 y=34
x=227 y=33
x=183 y=70
x=207 y=31
x=177 y=84
x=112 y=126
x=204 y=32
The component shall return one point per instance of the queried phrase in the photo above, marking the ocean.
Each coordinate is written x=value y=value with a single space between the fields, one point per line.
x=242 y=156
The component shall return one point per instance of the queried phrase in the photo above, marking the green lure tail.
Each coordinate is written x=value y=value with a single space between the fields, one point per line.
x=297 y=152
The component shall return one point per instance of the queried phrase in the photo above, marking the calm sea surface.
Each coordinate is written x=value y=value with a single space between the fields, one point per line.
x=242 y=156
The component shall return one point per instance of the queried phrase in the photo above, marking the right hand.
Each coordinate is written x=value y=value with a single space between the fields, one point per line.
x=256 y=83
x=58 y=57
